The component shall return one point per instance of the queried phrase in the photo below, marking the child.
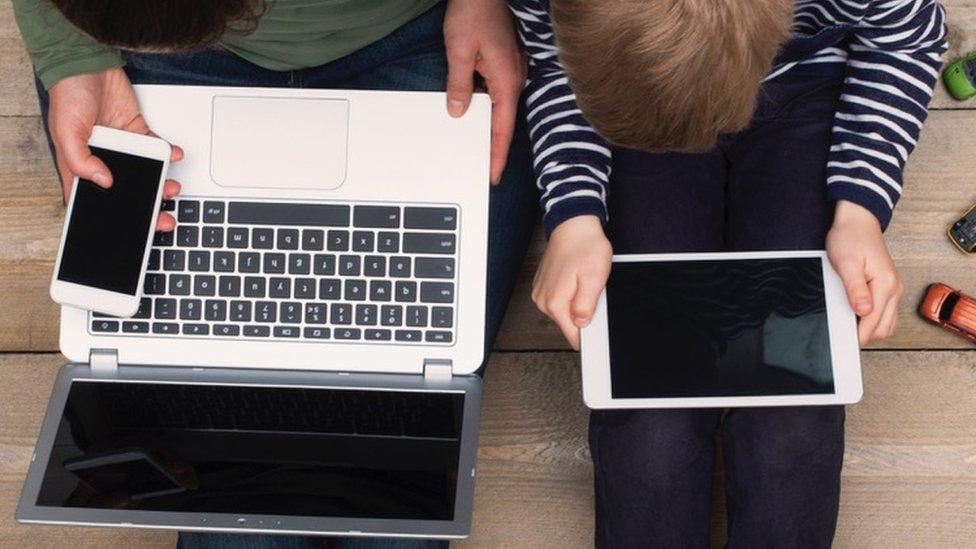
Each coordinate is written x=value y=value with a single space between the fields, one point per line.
x=736 y=125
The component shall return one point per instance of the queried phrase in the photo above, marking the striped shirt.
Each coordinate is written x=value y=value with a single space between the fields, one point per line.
x=892 y=50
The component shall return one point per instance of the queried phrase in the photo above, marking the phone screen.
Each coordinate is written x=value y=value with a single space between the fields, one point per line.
x=106 y=237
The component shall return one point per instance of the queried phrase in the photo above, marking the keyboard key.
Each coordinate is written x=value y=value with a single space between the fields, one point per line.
x=164 y=308
x=229 y=286
x=376 y=217
x=355 y=290
x=442 y=317
x=198 y=261
x=388 y=242
x=317 y=333
x=430 y=218
x=262 y=239
x=362 y=241
x=265 y=311
x=437 y=292
x=105 y=326
x=380 y=290
x=269 y=213
x=163 y=239
x=304 y=288
x=190 y=309
x=144 y=310
x=174 y=260
x=167 y=328
x=254 y=286
x=196 y=329
x=330 y=289
x=287 y=239
x=291 y=312
x=416 y=316
x=341 y=314
x=204 y=285
x=349 y=265
x=167 y=205
x=257 y=331
x=325 y=264
x=215 y=310
x=189 y=211
x=213 y=212
x=434 y=267
x=179 y=284
x=154 y=260
x=315 y=313
x=240 y=311
x=338 y=241
x=223 y=262
x=237 y=237
x=299 y=264
x=279 y=287
x=366 y=315
x=249 y=262
x=438 y=337
x=407 y=335
x=400 y=267
x=187 y=236
x=347 y=333
x=406 y=292
x=391 y=315
x=155 y=284
x=131 y=327
x=286 y=331
x=274 y=263
x=378 y=335
x=429 y=243
x=374 y=265
x=313 y=240
x=213 y=237
x=230 y=330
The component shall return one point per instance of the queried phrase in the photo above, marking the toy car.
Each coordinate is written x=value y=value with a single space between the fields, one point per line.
x=951 y=309
x=960 y=77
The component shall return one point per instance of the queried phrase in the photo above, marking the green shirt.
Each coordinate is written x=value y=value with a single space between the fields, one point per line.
x=293 y=34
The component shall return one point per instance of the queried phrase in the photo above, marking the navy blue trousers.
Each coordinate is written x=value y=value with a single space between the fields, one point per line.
x=761 y=189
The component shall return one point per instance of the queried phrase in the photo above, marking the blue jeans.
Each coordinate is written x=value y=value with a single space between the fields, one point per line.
x=411 y=58
x=760 y=189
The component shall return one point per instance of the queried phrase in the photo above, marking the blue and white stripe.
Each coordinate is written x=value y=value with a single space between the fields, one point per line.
x=892 y=54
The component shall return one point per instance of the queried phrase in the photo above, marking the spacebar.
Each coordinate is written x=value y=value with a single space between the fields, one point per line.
x=272 y=213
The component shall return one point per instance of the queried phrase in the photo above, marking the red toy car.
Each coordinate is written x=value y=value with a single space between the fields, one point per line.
x=951 y=309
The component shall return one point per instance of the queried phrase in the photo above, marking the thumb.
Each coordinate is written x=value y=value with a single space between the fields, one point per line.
x=584 y=303
x=77 y=157
x=460 y=81
x=851 y=272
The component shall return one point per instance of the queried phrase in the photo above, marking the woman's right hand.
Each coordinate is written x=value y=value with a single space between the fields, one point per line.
x=573 y=272
x=77 y=104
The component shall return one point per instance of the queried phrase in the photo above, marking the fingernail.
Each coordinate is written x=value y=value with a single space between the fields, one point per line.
x=101 y=179
x=454 y=107
x=581 y=322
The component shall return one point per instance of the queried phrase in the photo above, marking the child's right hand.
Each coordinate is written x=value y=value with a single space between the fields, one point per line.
x=572 y=274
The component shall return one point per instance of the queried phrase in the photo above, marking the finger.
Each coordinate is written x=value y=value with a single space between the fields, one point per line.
x=587 y=295
x=504 y=99
x=851 y=272
x=171 y=188
x=460 y=79
x=165 y=222
x=176 y=152
x=881 y=292
x=557 y=304
x=67 y=178
x=889 y=319
x=72 y=145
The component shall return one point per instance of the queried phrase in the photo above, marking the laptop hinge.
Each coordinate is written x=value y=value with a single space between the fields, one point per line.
x=104 y=362
x=438 y=369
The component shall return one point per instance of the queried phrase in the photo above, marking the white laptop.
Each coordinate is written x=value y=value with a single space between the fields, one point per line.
x=304 y=357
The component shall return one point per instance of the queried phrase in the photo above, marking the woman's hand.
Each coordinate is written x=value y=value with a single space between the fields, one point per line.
x=573 y=272
x=857 y=250
x=106 y=98
x=479 y=35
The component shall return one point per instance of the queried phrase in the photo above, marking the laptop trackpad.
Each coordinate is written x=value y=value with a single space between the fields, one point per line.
x=279 y=142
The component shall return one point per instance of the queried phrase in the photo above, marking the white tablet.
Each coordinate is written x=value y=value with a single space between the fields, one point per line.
x=710 y=330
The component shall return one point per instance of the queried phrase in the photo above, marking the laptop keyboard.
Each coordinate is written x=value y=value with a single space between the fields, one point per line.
x=299 y=271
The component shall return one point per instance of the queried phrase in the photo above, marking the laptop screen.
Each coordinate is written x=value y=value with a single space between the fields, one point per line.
x=288 y=451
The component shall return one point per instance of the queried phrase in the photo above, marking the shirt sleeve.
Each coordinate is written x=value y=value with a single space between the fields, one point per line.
x=57 y=49
x=572 y=162
x=893 y=64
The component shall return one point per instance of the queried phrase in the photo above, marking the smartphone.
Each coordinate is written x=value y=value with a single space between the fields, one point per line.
x=107 y=233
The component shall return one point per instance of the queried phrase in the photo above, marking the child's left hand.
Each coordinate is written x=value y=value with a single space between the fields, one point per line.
x=857 y=250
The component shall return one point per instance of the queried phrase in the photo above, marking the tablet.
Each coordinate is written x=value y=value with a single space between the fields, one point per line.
x=721 y=330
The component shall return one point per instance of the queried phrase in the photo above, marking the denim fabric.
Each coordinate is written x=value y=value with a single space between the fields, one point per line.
x=412 y=58
x=761 y=189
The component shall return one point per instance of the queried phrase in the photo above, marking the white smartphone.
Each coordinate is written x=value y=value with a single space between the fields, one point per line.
x=107 y=233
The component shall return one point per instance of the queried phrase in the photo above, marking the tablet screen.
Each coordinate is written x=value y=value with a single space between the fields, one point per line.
x=745 y=327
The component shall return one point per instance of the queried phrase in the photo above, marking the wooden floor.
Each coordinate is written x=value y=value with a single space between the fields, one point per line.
x=910 y=466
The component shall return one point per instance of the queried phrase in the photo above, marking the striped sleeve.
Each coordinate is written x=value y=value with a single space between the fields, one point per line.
x=572 y=162
x=893 y=64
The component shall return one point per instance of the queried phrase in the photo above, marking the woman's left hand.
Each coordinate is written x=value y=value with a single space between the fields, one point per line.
x=857 y=250
x=479 y=35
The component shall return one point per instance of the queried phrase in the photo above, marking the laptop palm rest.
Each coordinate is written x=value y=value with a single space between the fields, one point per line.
x=279 y=142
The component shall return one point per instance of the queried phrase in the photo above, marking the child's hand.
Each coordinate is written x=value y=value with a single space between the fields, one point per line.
x=573 y=272
x=857 y=250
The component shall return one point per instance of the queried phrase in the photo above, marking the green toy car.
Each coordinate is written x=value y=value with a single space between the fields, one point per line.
x=960 y=77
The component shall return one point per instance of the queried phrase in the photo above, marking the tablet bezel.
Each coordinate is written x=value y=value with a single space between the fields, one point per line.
x=841 y=324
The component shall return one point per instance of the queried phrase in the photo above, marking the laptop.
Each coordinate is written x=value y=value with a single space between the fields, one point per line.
x=303 y=360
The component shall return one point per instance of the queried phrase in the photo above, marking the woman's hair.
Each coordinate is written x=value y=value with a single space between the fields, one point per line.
x=162 y=25
x=669 y=75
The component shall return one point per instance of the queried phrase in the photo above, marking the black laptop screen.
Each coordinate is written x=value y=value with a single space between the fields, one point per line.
x=313 y=452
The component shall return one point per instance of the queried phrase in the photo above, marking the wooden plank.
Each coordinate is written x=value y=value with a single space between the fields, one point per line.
x=909 y=475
